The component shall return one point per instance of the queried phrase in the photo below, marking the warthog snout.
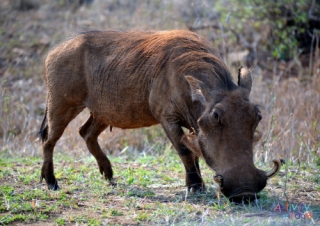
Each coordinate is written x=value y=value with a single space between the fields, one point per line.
x=246 y=197
x=244 y=191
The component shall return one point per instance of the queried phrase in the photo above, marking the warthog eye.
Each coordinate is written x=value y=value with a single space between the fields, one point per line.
x=216 y=116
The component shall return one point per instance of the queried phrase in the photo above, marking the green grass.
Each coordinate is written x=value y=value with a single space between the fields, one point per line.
x=150 y=191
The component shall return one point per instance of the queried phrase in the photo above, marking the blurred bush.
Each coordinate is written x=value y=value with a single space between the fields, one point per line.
x=285 y=28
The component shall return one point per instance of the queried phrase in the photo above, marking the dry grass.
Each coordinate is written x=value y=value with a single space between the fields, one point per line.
x=290 y=106
x=291 y=119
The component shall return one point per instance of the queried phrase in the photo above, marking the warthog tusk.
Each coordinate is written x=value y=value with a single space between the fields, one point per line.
x=275 y=169
x=218 y=179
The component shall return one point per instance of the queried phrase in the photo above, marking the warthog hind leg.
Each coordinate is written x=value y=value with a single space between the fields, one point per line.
x=52 y=130
x=90 y=132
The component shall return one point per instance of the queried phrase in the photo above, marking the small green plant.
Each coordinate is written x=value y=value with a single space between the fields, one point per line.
x=94 y=222
x=142 y=216
x=60 y=221
x=115 y=212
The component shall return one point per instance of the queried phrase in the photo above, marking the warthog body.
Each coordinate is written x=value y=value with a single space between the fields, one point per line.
x=133 y=79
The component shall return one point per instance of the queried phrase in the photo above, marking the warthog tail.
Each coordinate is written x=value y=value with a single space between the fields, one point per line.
x=44 y=127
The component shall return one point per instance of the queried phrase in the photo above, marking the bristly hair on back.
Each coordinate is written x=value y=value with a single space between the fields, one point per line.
x=191 y=53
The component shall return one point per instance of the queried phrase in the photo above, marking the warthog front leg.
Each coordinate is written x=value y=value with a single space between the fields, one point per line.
x=194 y=180
x=90 y=132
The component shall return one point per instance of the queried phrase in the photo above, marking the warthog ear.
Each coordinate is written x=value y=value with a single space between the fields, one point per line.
x=244 y=79
x=190 y=141
x=199 y=90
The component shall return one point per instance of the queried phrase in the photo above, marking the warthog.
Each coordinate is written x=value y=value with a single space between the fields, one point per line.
x=133 y=79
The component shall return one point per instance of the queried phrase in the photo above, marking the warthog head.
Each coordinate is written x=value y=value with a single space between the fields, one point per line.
x=225 y=136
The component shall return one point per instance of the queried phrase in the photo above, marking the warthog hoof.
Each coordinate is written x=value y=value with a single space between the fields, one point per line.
x=197 y=188
x=51 y=186
x=54 y=187
x=112 y=182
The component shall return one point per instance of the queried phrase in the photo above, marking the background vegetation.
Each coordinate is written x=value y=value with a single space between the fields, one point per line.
x=278 y=40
